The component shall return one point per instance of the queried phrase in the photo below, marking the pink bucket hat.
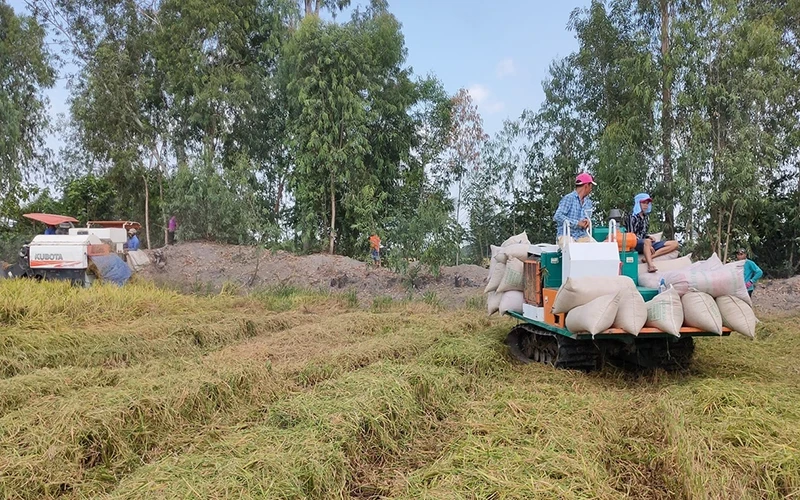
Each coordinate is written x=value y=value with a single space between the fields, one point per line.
x=584 y=178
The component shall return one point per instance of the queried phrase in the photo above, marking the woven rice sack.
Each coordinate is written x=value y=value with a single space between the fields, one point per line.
x=701 y=311
x=511 y=301
x=665 y=312
x=632 y=313
x=579 y=291
x=595 y=316
x=737 y=315
x=717 y=282
x=512 y=279
x=497 y=276
x=516 y=239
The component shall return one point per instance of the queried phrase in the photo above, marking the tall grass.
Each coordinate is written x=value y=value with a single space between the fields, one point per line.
x=139 y=392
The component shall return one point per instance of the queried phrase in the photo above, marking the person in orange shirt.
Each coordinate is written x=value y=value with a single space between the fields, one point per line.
x=375 y=246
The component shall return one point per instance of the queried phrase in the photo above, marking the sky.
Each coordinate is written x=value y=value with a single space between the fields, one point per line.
x=500 y=50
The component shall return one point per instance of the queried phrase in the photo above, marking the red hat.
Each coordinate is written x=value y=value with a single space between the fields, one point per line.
x=584 y=178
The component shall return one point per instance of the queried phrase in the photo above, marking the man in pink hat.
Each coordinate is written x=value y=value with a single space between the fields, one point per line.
x=576 y=208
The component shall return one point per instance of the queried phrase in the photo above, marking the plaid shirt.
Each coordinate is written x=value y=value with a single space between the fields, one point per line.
x=639 y=225
x=570 y=209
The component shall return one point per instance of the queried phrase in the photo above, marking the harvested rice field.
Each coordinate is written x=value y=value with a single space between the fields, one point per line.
x=143 y=392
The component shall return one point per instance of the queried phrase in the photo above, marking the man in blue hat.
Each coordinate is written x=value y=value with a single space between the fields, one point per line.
x=639 y=224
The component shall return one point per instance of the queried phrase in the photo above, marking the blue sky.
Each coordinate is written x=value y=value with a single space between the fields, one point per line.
x=500 y=50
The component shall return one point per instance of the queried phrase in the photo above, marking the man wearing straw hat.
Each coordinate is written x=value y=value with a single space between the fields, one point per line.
x=576 y=209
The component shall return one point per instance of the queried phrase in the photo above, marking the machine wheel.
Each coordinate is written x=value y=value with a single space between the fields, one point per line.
x=530 y=344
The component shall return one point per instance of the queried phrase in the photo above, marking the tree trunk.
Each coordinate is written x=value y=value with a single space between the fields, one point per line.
x=728 y=232
x=146 y=210
x=163 y=206
x=718 y=245
x=278 y=199
x=666 y=121
x=333 y=217
x=458 y=211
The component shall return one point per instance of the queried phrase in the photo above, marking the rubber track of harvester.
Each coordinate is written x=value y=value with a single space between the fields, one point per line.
x=530 y=344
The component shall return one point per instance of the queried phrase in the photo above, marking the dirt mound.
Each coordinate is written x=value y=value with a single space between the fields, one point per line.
x=202 y=266
x=777 y=297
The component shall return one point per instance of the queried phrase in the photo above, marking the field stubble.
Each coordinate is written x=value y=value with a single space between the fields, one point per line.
x=143 y=392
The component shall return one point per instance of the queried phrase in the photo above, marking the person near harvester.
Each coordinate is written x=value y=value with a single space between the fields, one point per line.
x=752 y=273
x=133 y=240
x=576 y=209
x=639 y=224
x=50 y=229
x=375 y=249
x=171 y=228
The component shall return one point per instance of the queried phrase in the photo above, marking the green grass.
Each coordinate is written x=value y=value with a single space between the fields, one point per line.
x=140 y=392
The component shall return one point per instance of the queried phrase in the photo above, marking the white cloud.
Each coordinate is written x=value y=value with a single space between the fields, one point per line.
x=483 y=98
x=494 y=107
x=506 y=68
x=478 y=92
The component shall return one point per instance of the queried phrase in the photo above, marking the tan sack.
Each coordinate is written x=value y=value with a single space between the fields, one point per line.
x=517 y=250
x=665 y=312
x=668 y=256
x=492 y=262
x=701 y=311
x=595 y=316
x=579 y=291
x=709 y=264
x=652 y=280
x=497 y=276
x=493 y=302
x=512 y=280
x=512 y=301
x=737 y=315
x=717 y=282
x=517 y=238
x=632 y=313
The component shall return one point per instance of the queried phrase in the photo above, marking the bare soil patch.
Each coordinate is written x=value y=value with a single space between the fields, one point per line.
x=203 y=266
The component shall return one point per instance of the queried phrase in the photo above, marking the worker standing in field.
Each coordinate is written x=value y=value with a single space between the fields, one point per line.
x=171 y=228
x=576 y=209
x=133 y=240
x=375 y=249
x=752 y=273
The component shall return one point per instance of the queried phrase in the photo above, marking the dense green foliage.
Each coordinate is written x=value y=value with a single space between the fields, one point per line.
x=267 y=121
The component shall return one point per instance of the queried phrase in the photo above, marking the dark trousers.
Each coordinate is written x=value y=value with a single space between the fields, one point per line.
x=750 y=292
x=170 y=237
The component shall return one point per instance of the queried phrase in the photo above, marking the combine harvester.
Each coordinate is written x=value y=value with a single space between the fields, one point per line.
x=575 y=300
x=74 y=254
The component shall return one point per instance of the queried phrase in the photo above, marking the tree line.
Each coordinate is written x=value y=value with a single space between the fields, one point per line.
x=273 y=122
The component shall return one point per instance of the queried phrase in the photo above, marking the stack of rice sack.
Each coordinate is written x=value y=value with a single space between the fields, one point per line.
x=505 y=275
x=711 y=293
x=594 y=304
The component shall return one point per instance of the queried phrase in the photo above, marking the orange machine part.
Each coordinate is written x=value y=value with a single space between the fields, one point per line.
x=549 y=298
